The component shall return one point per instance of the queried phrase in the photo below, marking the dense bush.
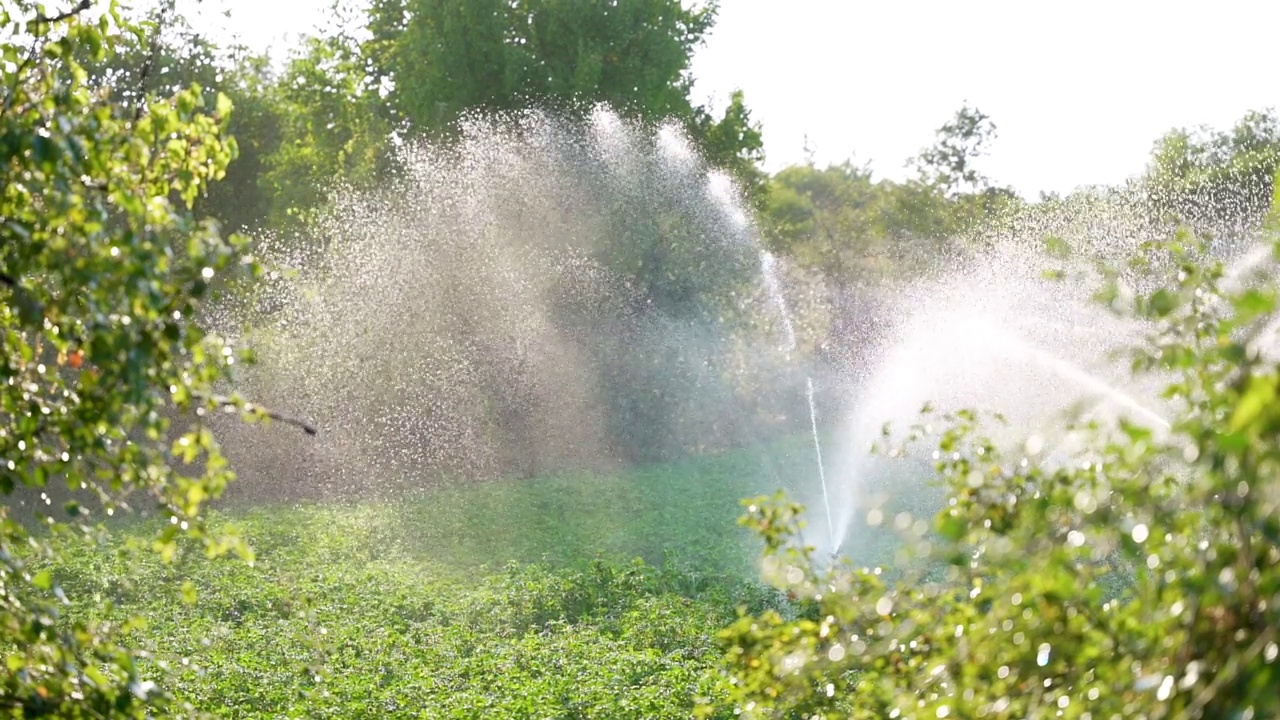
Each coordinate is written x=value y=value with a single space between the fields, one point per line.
x=1140 y=580
x=102 y=267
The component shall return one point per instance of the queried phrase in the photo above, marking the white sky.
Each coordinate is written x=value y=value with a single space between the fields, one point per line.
x=1079 y=91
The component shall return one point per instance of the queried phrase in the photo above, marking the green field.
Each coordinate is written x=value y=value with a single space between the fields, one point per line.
x=558 y=597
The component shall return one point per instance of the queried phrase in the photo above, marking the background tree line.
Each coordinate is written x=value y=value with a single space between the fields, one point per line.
x=332 y=113
x=332 y=110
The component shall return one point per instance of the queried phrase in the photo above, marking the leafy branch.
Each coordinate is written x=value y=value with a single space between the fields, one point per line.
x=257 y=409
x=66 y=15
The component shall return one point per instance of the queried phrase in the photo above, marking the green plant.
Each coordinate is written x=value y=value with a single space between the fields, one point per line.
x=101 y=272
x=433 y=606
x=1141 y=580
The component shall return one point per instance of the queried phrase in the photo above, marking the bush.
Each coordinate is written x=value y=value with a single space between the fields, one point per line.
x=100 y=274
x=1140 y=580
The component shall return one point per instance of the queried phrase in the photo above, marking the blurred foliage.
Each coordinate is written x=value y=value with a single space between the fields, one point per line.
x=102 y=265
x=1211 y=176
x=859 y=230
x=438 y=62
x=948 y=164
x=1140 y=579
x=332 y=113
x=332 y=131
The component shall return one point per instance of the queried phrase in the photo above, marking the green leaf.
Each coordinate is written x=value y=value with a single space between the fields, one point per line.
x=1056 y=246
x=1162 y=302
x=952 y=527
x=1259 y=393
x=43 y=580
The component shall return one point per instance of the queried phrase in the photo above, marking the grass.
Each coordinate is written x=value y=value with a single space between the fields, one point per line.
x=562 y=597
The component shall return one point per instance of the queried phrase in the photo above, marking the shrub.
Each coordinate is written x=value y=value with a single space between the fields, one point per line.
x=101 y=271
x=1141 y=580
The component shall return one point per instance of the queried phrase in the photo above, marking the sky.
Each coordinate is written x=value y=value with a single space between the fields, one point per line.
x=1079 y=91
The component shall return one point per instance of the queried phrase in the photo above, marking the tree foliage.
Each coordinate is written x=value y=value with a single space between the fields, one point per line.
x=1211 y=177
x=735 y=144
x=447 y=58
x=438 y=61
x=332 y=129
x=948 y=164
x=852 y=227
x=102 y=267
x=169 y=56
x=1140 y=580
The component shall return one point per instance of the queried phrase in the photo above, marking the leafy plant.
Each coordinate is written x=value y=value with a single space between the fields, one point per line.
x=1140 y=580
x=102 y=268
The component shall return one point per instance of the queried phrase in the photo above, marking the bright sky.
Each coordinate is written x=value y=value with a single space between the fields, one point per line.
x=1079 y=91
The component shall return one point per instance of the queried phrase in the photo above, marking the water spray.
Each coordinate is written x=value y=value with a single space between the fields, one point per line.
x=822 y=472
x=771 y=284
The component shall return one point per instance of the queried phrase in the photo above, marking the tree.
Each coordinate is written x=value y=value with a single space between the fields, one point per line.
x=332 y=129
x=172 y=57
x=441 y=60
x=834 y=219
x=1140 y=578
x=948 y=163
x=448 y=58
x=1214 y=178
x=104 y=377
x=735 y=144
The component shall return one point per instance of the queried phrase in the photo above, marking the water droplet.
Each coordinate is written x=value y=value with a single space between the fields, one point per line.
x=884 y=605
x=1166 y=689
x=1034 y=445
x=1139 y=533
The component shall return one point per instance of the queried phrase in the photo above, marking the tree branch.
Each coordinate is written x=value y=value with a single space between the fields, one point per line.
x=147 y=65
x=50 y=19
x=224 y=401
